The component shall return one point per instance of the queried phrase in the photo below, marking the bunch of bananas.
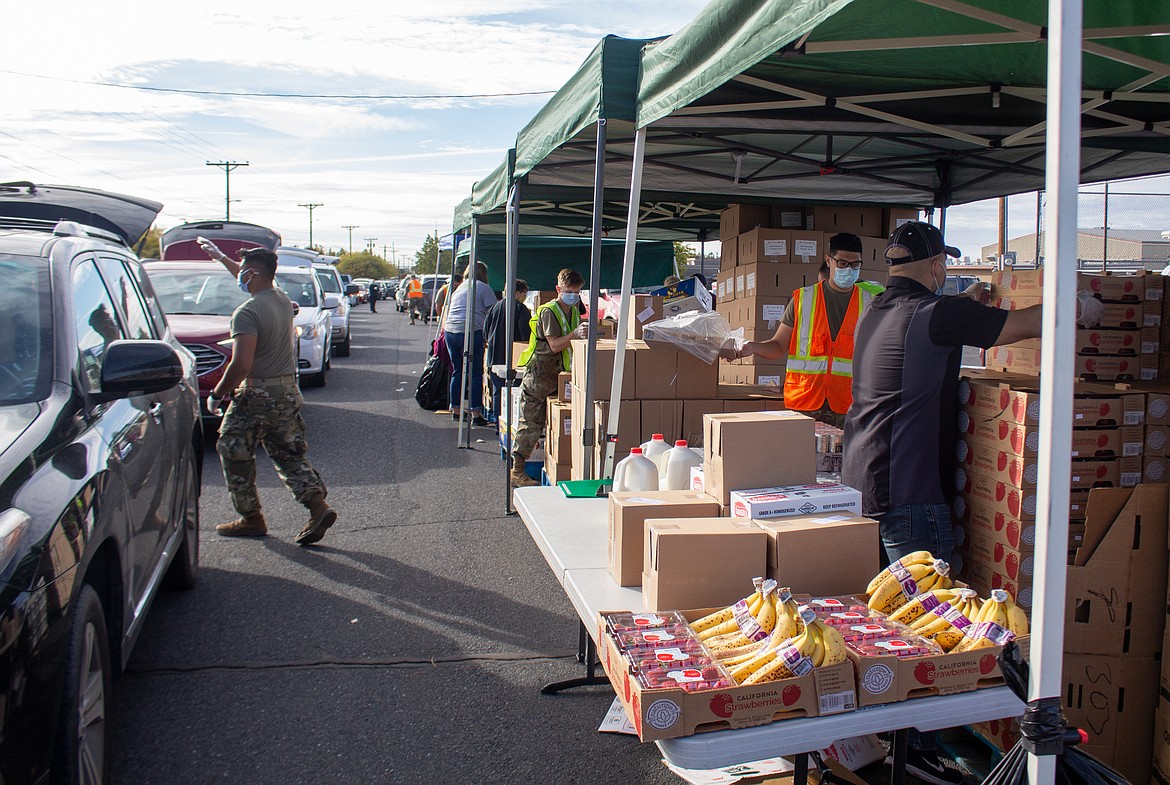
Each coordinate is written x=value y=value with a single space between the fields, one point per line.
x=817 y=646
x=748 y=621
x=905 y=579
x=949 y=622
x=996 y=622
x=923 y=604
x=789 y=624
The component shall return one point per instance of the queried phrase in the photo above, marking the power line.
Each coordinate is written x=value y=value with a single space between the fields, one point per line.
x=234 y=94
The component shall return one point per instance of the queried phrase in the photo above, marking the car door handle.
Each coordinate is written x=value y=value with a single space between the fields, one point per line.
x=156 y=409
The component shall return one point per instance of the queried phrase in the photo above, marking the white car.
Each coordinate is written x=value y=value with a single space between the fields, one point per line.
x=313 y=321
x=329 y=280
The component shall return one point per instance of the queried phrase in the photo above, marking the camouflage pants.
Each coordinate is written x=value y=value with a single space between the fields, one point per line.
x=272 y=417
x=540 y=381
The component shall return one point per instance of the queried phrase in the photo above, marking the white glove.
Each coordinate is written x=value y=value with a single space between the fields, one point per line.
x=582 y=331
x=215 y=405
x=980 y=292
x=1089 y=309
x=211 y=249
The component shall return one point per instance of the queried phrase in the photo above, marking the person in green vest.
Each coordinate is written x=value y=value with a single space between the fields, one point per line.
x=553 y=328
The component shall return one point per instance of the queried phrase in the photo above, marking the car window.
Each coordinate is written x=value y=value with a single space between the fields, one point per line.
x=94 y=322
x=135 y=320
x=299 y=288
x=26 y=337
x=153 y=306
x=328 y=282
x=203 y=291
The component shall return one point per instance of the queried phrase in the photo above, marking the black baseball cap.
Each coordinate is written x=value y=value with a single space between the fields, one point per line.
x=920 y=240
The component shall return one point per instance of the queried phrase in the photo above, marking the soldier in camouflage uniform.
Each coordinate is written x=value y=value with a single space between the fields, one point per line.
x=553 y=327
x=265 y=403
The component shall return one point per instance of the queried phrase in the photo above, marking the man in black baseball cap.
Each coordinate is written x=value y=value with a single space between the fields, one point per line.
x=901 y=429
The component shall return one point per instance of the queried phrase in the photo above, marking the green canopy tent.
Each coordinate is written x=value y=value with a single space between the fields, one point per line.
x=541 y=258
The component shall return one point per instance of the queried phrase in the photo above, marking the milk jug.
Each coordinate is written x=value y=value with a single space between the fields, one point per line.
x=656 y=450
x=678 y=461
x=635 y=473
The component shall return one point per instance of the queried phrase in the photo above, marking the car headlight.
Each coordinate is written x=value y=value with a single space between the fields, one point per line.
x=308 y=331
x=14 y=526
x=299 y=330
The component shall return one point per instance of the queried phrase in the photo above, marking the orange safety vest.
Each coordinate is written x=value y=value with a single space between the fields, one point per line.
x=415 y=290
x=820 y=368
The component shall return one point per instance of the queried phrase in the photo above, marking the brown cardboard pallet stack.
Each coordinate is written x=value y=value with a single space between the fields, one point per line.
x=769 y=251
x=663 y=391
x=1125 y=346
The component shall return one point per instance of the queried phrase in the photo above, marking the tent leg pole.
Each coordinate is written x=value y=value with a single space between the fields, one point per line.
x=588 y=427
x=509 y=334
x=1062 y=175
x=615 y=393
x=463 y=439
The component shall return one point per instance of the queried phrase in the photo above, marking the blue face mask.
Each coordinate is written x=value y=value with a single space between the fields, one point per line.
x=570 y=298
x=845 y=277
x=243 y=284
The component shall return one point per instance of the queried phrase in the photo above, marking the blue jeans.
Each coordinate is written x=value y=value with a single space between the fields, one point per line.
x=917 y=527
x=455 y=349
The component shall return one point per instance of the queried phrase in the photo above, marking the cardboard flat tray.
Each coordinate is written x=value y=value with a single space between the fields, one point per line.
x=585 y=489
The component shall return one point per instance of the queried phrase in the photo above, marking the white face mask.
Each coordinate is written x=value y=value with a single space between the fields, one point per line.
x=942 y=284
x=242 y=283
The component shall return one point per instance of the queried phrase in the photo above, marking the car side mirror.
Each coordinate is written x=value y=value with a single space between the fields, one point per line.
x=296 y=308
x=331 y=302
x=138 y=368
x=352 y=289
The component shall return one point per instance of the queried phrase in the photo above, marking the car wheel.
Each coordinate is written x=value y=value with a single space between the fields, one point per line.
x=82 y=744
x=184 y=568
x=343 y=347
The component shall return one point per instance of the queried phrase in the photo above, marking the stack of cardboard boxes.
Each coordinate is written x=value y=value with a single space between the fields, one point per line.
x=1126 y=345
x=769 y=251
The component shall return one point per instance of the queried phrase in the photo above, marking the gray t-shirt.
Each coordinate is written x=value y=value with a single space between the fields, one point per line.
x=547 y=327
x=268 y=316
x=836 y=306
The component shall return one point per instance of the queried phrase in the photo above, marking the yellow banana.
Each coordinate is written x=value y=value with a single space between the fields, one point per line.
x=891 y=593
x=817 y=654
x=753 y=601
x=1017 y=619
x=742 y=671
x=948 y=638
x=834 y=644
x=921 y=604
x=766 y=618
x=918 y=557
x=723 y=628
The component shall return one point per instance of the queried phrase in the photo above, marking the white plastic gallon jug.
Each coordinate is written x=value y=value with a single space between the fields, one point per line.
x=656 y=450
x=635 y=473
x=678 y=462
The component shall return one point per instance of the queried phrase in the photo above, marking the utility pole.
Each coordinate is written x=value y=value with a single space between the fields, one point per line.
x=227 y=167
x=351 y=227
x=312 y=206
x=370 y=243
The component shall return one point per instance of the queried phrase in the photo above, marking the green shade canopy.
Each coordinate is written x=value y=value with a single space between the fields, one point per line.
x=541 y=258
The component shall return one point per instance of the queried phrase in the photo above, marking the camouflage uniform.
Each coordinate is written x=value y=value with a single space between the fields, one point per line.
x=272 y=415
x=540 y=381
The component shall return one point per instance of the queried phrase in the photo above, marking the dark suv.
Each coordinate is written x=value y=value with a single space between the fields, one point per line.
x=99 y=470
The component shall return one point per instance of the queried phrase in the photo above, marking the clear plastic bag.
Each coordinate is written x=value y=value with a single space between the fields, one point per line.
x=706 y=335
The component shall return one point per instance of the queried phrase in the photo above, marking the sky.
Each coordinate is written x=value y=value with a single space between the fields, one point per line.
x=101 y=108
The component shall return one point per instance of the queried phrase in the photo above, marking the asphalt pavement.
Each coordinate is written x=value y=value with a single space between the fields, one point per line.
x=408 y=646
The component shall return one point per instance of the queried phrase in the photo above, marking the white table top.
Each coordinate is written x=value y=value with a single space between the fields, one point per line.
x=572 y=534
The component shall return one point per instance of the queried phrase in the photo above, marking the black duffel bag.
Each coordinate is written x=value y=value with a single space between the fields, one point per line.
x=433 y=384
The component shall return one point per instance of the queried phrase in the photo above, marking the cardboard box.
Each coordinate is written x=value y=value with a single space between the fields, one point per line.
x=831 y=219
x=670 y=713
x=740 y=218
x=1111 y=341
x=1018 y=400
x=565 y=387
x=1018 y=282
x=629 y=426
x=654 y=371
x=1116 y=288
x=1157 y=409
x=892 y=678
x=893 y=217
x=1155 y=469
x=809 y=499
x=994 y=524
x=1023 y=473
x=1116 y=595
x=1115 y=701
x=1012 y=564
x=664 y=417
x=628 y=512
x=558 y=440
x=725 y=289
x=1157 y=440
x=776 y=280
x=1023 y=441
x=1001 y=734
x=696 y=481
x=770 y=246
x=825 y=555
x=873 y=253
x=1113 y=368
x=644 y=308
x=808 y=248
x=700 y=562
x=603 y=369
x=984 y=579
x=1010 y=302
x=695 y=378
x=788 y=216
x=1161 y=740
x=759 y=313
x=692 y=418
x=740 y=451
x=728 y=252
x=686 y=295
x=740 y=283
x=556 y=472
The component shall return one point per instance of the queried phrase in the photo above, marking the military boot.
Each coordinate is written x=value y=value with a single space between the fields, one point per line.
x=251 y=525
x=520 y=478
x=321 y=517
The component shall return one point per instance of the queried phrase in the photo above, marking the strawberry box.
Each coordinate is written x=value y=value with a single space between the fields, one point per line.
x=1012 y=564
x=1105 y=341
x=670 y=712
x=890 y=678
x=1018 y=400
x=1119 y=288
x=995 y=524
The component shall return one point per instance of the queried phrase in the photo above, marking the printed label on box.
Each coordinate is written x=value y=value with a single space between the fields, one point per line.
x=772 y=313
x=804 y=248
x=648 y=312
x=568 y=426
x=837 y=702
x=775 y=247
x=788 y=220
x=751 y=281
